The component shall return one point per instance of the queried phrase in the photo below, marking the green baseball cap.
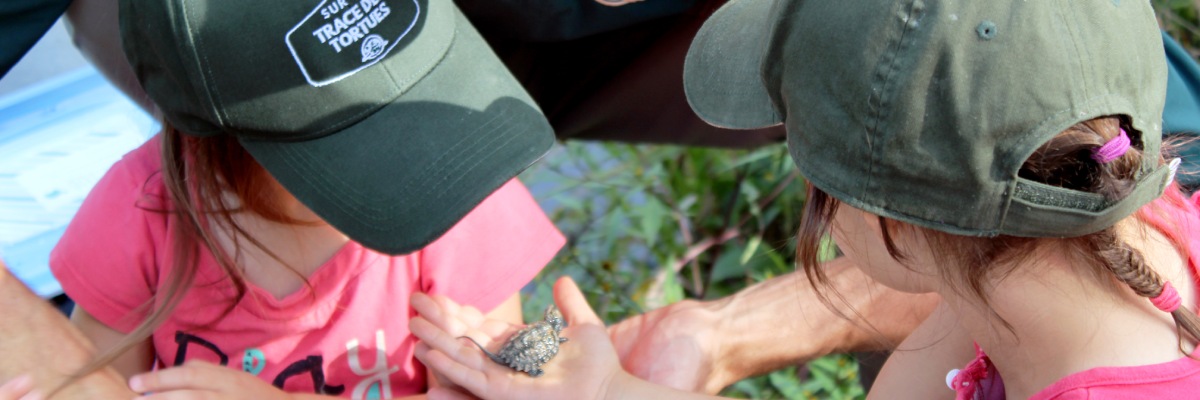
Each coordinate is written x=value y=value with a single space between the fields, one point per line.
x=391 y=119
x=924 y=111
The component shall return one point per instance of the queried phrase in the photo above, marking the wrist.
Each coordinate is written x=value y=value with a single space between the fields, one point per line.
x=721 y=343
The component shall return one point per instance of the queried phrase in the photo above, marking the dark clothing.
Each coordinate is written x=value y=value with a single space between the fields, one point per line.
x=608 y=73
x=22 y=23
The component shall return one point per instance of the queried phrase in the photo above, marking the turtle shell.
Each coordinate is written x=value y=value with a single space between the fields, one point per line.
x=530 y=347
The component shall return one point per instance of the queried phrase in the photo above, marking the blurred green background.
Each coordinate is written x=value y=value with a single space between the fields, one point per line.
x=651 y=225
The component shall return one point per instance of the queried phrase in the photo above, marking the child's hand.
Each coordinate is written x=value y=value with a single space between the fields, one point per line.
x=202 y=380
x=19 y=388
x=585 y=365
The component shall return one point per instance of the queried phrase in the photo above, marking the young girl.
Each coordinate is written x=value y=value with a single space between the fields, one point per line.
x=1004 y=155
x=319 y=162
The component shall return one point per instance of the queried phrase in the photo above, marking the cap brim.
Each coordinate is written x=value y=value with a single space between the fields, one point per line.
x=723 y=72
x=399 y=179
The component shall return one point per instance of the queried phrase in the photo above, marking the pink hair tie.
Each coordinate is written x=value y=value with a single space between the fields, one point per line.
x=1168 y=300
x=1113 y=149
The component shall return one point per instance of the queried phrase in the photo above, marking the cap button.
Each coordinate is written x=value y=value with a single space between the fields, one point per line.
x=986 y=30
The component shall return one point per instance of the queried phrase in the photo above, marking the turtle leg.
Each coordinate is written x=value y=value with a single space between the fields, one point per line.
x=562 y=339
x=536 y=373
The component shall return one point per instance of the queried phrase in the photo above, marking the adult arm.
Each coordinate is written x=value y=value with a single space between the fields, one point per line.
x=136 y=360
x=706 y=346
x=39 y=342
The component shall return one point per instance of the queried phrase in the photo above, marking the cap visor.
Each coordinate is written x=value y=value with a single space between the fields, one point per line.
x=722 y=74
x=399 y=179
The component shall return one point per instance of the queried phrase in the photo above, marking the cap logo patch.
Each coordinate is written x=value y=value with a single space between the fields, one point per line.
x=323 y=42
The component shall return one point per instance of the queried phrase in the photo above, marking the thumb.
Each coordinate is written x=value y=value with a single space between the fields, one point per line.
x=574 y=306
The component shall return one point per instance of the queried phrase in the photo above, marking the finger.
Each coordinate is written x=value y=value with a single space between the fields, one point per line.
x=438 y=313
x=497 y=329
x=437 y=339
x=439 y=393
x=191 y=375
x=17 y=387
x=473 y=380
x=574 y=306
x=448 y=315
x=469 y=315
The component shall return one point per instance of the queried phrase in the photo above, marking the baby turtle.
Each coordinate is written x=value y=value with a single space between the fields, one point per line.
x=532 y=346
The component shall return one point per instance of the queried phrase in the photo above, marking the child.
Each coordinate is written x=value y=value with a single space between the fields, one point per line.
x=996 y=153
x=320 y=161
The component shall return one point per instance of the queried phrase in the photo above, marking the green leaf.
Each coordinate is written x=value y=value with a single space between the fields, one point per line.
x=651 y=216
x=728 y=265
x=827 y=249
x=786 y=382
x=751 y=247
x=672 y=290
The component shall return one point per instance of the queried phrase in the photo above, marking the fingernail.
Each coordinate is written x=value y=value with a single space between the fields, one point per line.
x=136 y=384
x=22 y=381
x=34 y=395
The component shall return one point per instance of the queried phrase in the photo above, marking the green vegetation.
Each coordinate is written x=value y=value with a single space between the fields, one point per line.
x=651 y=225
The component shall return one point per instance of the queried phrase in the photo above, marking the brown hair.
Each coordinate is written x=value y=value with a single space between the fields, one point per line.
x=197 y=173
x=966 y=262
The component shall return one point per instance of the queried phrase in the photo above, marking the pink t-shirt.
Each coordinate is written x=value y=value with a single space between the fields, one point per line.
x=1178 y=218
x=346 y=335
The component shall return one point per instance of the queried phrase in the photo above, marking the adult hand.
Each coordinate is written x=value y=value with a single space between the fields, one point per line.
x=202 y=380
x=585 y=365
x=19 y=388
x=672 y=346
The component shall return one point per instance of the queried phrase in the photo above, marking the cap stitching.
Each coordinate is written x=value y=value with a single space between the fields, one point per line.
x=297 y=161
x=878 y=114
x=209 y=88
x=373 y=217
x=479 y=154
x=1073 y=35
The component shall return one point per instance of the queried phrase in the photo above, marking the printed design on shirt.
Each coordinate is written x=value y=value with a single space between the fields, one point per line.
x=376 y=384
x=324 y=42
x=253 y=361
x=312 y=366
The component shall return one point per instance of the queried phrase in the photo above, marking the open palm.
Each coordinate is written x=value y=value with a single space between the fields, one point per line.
x=585 y=367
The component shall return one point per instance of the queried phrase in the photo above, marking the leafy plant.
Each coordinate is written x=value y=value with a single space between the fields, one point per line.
x=651 y=225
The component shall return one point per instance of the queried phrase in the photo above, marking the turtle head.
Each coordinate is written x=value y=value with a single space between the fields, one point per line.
x=555 y=318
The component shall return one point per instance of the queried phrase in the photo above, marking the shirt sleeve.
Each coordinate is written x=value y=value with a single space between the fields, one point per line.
x=492 y=252
x=106 y=258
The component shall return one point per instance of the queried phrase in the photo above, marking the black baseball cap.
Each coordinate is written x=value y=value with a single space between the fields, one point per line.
x=390 y=119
